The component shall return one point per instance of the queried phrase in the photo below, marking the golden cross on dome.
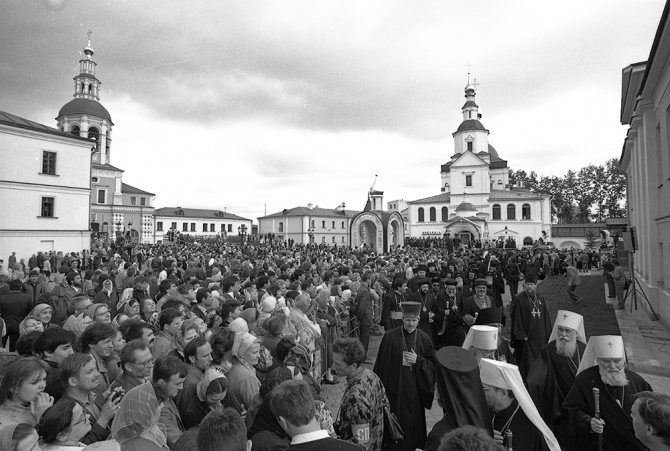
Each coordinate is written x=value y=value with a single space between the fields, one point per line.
x=90 y=32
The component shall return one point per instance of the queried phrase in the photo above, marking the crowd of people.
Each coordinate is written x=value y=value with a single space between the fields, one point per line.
x=212 y=346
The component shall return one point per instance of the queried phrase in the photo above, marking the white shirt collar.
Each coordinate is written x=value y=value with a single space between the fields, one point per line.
x=309 y=437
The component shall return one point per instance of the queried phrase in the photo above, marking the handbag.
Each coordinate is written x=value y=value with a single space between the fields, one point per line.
x=393 y=432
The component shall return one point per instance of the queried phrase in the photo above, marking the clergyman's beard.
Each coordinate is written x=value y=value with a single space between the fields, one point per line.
x=566 y=348
x=615 y=379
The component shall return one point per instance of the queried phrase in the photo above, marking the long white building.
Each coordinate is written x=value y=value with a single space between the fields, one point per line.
x=44 y=188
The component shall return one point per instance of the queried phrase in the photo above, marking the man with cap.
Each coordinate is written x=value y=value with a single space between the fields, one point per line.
x=603 y=367
x=452 y=331
x=460 y=394
x=482 y=341
x=405 y=365
x=512 y=408
x=414 y=282
x=554 y=371
x=428 y=308
x=494 y=317
x=476 y=302
x=531 y=326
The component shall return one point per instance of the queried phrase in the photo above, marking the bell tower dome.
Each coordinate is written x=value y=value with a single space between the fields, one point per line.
x=84 y=115
x=471 y=135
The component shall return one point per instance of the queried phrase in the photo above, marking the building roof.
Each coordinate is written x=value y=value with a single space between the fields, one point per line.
x=129 y=189
x=494 y=153
x=106 y=166
x=465 y=206
x=196 y=213
x=85 y=106
x=316 y=211
x=20 y=122
x=440 y=198
x=515 y=193
x=469 y=103
x=471 y=124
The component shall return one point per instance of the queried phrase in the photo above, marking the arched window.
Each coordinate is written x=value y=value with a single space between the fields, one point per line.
x=445 y=214
x=511 y=211
x=433 y=214
x=421 y=216
x=496 y=212
x=525 y=211
x=528 y=241
x=75 y=130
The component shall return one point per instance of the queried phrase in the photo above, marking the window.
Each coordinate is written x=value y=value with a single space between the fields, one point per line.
x=49 y=163
x=323 y=224
x=223 y=227
x=184 y=227
x=333 y=239
x=101 y=196
x=342 y=224
x=468 y=180
x=133 y=201
x=496 y=212
x=470 y=146
x=159 y=226
x=143 y=201
x=173 y=226
x=343 y=239
x=525 y=211
x=511 y=211
x=445 y=214
x=212 y=227
x=47 y=207
x=313 y=223
x=433 y=214
x=230 y=227
x=281 y=227
x=75 y=130
x=323 y=239
x=94 y=134
x=333 y=224
x=421 y=215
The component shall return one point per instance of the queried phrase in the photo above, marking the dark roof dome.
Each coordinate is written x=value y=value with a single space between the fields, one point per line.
x=470 y=124
x=493 y=152
x=85 y=106
x=466 y=206
x=470 y=103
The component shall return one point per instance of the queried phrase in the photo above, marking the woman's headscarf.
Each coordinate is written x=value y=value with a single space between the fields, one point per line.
x=133 y=419
x=238 y=325
x=322 y=298
x=211 y=375
x=127 y=309
x=242 y=344
x=298 y=356
x=23 y=325
x=39 y=308
x=6 y=433
x=92 y=309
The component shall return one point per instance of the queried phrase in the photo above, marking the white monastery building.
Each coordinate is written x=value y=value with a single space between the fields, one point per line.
x=475 y=201
x=198 y=222
x=44 y=188
x=116 y=207
x=645 y=159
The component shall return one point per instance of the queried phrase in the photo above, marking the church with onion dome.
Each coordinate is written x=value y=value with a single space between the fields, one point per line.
x=116 y=208
x=476 y=201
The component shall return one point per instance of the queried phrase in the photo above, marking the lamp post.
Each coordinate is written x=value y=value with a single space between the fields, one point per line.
x=310 y=234
x=242 y=232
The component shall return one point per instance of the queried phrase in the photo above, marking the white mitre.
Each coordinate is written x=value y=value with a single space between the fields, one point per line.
x=482 y=337
x=570 y=320
x=602 y=347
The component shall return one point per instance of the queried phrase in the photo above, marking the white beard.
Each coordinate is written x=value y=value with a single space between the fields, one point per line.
x=617 y=379
x=566 y=348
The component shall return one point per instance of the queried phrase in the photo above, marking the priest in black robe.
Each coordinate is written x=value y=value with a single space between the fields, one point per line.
x=531 y=327
x=554 y=372
x=428 y=308
x=616 y=386
x=460 y=394
x=452 y=331
x=406 y=366
x=513 y=410
x=479 y=300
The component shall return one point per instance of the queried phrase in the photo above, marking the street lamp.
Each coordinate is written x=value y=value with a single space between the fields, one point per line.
x=310 y=234
x=242 y=231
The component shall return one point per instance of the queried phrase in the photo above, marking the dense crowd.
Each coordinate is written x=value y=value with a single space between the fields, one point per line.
x=212 y=346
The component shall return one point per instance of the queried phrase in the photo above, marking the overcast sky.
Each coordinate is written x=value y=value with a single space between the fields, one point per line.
x=247 y=105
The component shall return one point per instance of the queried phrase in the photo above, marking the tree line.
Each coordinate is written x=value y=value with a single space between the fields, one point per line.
x=593 y=194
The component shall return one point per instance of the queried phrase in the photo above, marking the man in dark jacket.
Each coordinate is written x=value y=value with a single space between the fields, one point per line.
x=14 y=307
x=364 y=310
x=33 y=288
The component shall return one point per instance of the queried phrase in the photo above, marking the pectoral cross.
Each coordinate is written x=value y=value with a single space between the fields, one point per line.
x=535 y=313
x=610 y=344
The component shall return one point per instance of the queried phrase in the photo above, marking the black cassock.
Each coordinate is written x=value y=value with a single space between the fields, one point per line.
x=525 y=436
x=527 y=324
x=549 y=382
x=410 y=389
x=619 y=433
